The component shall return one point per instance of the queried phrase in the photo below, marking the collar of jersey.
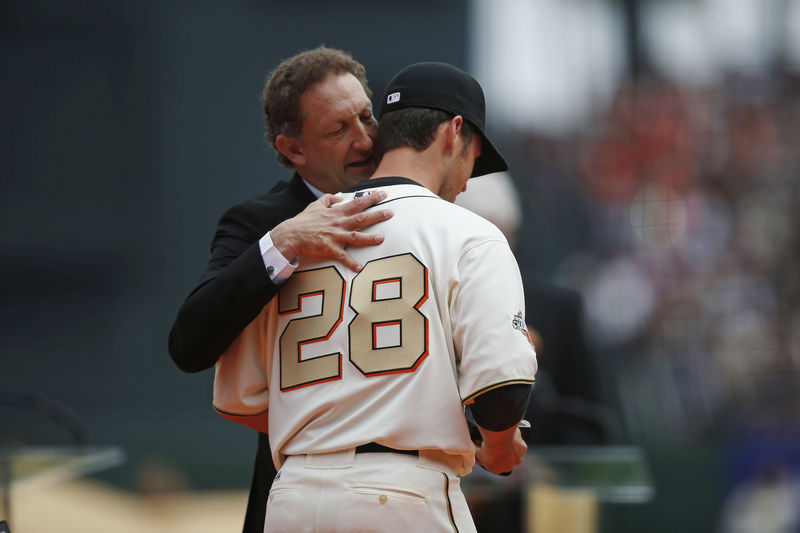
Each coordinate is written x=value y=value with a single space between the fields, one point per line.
x=383 y=182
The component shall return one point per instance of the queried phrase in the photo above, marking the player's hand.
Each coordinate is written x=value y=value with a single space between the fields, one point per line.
x=500 y=451
x=324 y=229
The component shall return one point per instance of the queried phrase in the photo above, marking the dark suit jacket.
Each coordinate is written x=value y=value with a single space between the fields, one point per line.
x=230 y=294
x=564 y=405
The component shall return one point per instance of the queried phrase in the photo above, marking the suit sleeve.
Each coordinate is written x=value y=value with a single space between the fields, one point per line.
x=230 y=294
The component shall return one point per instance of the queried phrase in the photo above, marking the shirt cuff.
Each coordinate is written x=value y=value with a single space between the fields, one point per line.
x=278 y=268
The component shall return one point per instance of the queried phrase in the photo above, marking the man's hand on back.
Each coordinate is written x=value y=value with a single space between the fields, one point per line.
x=324 y=229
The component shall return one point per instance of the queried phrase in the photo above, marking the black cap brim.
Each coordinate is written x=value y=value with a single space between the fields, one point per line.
x=490 y=160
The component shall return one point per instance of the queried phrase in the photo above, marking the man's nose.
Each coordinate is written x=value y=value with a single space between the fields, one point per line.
x=365 y=139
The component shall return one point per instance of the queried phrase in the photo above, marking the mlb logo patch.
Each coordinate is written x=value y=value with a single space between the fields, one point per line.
x=392 y=98
x=518 y=323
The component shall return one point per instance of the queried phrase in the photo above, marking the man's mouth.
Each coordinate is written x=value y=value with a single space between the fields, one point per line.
x=360 y=164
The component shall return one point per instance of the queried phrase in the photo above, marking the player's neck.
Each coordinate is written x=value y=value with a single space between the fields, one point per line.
x=423 y=167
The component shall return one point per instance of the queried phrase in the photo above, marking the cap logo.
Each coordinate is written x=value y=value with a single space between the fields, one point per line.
x=392 y=98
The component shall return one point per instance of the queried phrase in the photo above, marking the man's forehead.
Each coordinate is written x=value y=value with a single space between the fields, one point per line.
x=337 y=92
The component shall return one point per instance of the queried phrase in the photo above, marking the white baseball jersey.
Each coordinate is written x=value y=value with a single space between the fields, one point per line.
x=393 y=353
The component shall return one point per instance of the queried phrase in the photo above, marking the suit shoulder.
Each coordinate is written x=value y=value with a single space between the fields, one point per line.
x=282 y=199
x=279 y=195
x=261 y=213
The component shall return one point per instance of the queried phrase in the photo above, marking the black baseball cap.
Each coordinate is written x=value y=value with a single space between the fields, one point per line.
x=448 y=88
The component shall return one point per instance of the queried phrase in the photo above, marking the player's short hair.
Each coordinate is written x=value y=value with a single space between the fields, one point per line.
x=415 y=127
x=280 y=99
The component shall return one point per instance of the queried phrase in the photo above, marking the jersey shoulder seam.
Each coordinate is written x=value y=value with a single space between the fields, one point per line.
x=514 y=381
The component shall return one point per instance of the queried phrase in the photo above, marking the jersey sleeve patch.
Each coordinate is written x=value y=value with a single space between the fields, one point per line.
x=518 y=323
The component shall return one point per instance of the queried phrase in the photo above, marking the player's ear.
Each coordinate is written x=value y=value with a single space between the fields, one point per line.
x=452 y=131
x=291 y=148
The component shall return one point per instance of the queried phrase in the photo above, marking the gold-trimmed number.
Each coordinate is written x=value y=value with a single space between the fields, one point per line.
x=400 y=311
x=328 y=283
x=385 y=296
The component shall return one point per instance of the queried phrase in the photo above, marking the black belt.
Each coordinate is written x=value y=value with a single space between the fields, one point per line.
x=374 y=447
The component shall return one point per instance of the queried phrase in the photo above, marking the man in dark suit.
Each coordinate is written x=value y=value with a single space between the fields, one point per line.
x=568 y=406
x=319 y=119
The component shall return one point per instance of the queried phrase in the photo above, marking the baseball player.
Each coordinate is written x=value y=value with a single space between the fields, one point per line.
x=366 y=374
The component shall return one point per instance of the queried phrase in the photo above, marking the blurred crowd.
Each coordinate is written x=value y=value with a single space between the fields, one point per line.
x=687 y=254
x=695 y=195
x=692 y=266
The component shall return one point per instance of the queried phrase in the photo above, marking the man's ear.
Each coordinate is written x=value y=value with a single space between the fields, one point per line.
x=292 y=149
